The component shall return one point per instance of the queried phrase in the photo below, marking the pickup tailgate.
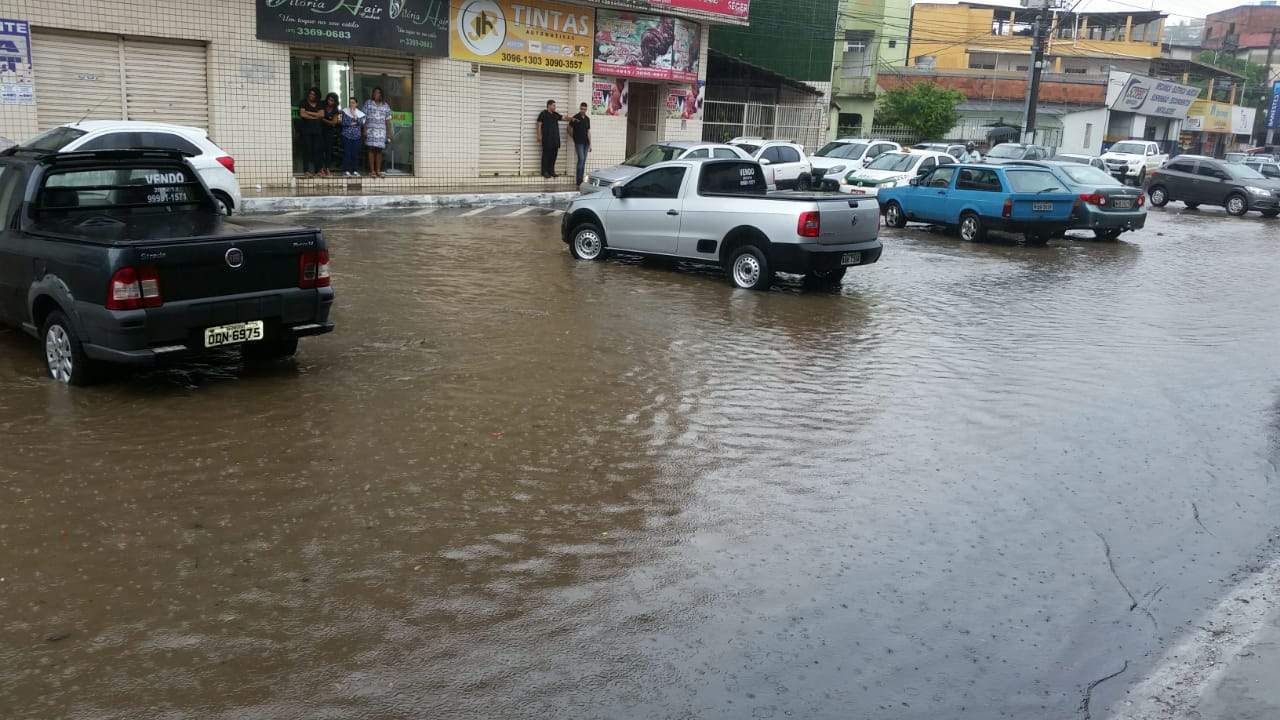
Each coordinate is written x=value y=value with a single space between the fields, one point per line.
x=218 y=267
x=845 y=221
x=1046 y=207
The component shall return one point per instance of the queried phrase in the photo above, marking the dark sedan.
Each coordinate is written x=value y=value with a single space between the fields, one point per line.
x=1107 y=206
x=1197 y=180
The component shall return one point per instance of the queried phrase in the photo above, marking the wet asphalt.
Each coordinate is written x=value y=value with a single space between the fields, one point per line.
x=968 y=484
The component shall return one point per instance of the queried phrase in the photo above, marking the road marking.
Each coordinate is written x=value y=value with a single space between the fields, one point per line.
x=523 y=210
x=475 y=211
x=291 y=213
x=424 y=211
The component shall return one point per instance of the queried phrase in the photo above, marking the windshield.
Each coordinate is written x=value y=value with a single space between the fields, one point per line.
x=53 y=140
x=849 y=151
x=1243 y=172
x=1033 y=181
x=894 y=162
x=1006 y=151
x=1129 y=148
x=652 y=155
x=138 y=188
x=1089 y=175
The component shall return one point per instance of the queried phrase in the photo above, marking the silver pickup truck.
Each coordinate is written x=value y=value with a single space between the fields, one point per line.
x=721 y=212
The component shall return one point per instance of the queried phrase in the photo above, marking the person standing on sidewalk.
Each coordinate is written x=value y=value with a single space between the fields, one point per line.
x=377 y=129
x=580 y=127
x=330 y=121
x=352 y=130
x=310 y=130
x=548 y=129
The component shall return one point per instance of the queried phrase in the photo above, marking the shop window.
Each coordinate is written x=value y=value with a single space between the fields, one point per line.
x=1088 y=134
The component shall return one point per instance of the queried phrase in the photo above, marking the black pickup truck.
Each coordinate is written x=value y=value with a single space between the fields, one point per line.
x=121 y=256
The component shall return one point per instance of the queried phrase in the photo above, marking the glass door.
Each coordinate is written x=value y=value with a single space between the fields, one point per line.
x=327 y=74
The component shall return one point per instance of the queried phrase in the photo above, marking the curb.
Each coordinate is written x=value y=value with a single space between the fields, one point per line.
x=252 y=205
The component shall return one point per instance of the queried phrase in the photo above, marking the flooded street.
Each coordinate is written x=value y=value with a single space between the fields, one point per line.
x=970 y=483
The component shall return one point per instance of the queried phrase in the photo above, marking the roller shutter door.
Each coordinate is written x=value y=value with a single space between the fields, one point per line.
x=513 y=99
x=538 y=89
x=166 y=82
x=77 y=76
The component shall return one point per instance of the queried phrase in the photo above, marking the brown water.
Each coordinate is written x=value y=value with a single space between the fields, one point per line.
x=516 y=486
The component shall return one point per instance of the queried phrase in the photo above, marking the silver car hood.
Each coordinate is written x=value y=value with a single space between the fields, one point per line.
x=615 y=173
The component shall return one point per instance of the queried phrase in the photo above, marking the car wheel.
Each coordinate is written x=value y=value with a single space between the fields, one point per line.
x=1159 y=196
x=1237 y=205
x=1270 y=213
x=588 y=242
x=223 y=201
x=1108 y=234
x=264 y=352
x=894 y=217
x=64 y=354
x=749 y=269
x=825 y=278
x=971 y=228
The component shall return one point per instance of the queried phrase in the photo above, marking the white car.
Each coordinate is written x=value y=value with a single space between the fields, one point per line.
x=785 y=163
x=216 y=167
x=1134 y=159
x=656 y=153
x=894 y=169
x=842 y=156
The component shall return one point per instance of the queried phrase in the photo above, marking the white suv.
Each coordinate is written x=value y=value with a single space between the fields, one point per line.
x=786 y=166
x=216 y=167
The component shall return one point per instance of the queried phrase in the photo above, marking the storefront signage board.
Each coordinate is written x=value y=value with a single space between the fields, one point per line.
x=647 y=47
x=534 y=36
x=17 y=83
x=416 y=27
x=727 y=8
x=1143 y=95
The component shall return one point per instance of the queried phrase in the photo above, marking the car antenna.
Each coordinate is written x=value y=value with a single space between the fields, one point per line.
x=90 y=110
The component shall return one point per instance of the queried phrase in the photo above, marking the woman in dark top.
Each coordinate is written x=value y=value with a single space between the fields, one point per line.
x=330 y=121
x=310 y=127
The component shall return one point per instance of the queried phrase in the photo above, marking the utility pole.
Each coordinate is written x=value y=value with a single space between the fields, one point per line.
x=1034 y=70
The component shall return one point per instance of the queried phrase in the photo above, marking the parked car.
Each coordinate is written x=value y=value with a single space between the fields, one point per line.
x=893 y=170
x=654 y=154
x=720 y=212
x=1236 y=157
x=1107 y=206
x=956 y=151
x=1089 y=160
x=122 y=256
x=786 y=166
x=216 y=167
x=1269 y=169
x=748 y=143
x=839 y=157
x=1006 y=152
x=1197 y=180
x=977 y=198
x=1134 y=159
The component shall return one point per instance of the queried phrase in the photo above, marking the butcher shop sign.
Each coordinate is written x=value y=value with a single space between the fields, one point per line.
x=647 y=47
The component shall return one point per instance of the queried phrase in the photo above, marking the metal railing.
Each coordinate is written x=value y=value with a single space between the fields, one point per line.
x=803 y=124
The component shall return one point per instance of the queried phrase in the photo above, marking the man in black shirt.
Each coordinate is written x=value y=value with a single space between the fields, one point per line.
x=580 y=127
x=549 y=137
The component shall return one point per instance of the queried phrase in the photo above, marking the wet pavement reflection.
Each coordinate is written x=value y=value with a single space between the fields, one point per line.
x=967 y=484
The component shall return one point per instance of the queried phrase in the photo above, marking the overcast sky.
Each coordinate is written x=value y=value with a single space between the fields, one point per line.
x=1178 y=10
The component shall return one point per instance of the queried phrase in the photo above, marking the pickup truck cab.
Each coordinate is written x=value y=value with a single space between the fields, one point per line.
x=122 y=256
x=978 y=198
x=1134 y=159
x=720 y=212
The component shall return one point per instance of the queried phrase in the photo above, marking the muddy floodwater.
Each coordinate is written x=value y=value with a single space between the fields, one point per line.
x=968 y=484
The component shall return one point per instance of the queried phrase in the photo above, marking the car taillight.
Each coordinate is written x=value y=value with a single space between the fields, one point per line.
x=227 y=162
x=1142 y=199
x=1007 y=210
x=1094 y=198
x=808 y=225
x=313 y=269
x=131 y=289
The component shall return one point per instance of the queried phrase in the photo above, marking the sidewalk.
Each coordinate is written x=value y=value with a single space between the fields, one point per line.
x=1227 y=668
x=337 y=196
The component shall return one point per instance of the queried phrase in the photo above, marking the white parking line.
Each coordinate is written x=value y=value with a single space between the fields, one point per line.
x=523 y=210
x=424 y=211
x=475 y=211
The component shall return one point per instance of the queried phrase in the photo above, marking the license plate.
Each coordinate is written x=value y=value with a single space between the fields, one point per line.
x=232 y=334
x=1121 y=203
x=1042 y=206
x=851 y=258
x=858 y=191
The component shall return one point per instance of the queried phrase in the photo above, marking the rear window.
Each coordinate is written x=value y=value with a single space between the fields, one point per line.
x=732 y=178
x=1007 y=151
x=53 y=140
x=143 y=188
x=1032 y=181
x=1089 y=175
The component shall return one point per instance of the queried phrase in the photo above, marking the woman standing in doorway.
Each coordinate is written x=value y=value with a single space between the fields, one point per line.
x=352 y=128
x=377 y=129
x=310 y=128
x=330 y=120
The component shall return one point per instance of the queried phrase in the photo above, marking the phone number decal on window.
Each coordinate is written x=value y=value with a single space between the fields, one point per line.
x=535 y=61
x=321 y=32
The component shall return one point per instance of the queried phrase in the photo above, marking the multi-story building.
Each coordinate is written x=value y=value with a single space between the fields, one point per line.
x=1244 y=31
x=871 y=38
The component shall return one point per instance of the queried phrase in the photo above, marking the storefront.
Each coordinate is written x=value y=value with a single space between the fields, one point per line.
x=465 y=79
x=1145 y=108
x=1215 y=128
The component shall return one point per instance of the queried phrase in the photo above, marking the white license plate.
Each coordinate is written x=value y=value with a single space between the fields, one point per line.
x=858 y=191
x=852 y=258
x=1042 y=206
x=1124 y=203
x=232 y=334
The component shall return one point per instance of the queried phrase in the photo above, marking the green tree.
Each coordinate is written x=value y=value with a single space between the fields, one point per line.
x=1254 y=84
x=928 y=109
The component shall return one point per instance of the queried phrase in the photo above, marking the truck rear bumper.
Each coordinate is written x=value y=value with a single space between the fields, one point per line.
x=801 y=259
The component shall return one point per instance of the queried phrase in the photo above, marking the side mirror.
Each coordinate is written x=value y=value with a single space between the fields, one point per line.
x=619 y=191
x=915 y=181
x=923 y=171
x=764 y=161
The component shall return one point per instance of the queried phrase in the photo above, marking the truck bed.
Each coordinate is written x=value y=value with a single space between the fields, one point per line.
x=159 y=229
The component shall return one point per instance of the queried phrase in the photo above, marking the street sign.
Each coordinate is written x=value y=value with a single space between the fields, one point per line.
x=1273 y=109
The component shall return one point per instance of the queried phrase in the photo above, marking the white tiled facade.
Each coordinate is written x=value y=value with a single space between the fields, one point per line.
x=248 y=93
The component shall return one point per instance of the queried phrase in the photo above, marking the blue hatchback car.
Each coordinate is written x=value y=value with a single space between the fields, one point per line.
x=977 y=198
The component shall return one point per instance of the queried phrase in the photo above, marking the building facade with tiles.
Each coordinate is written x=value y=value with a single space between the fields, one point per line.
x=465 y=78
